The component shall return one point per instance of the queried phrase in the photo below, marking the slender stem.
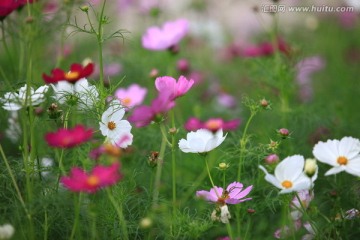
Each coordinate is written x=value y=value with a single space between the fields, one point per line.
x=303 y=210
x=119 y=211
x=159 y=170
x=46 y=227
x=14 y=182
x=229 y=230
x=173 y=163
x=243 y=142
x=211 y=180
x=100 y=44
x=77 y=216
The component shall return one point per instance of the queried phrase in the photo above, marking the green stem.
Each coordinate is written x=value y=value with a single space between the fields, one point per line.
x=173 y=163
x=119 y=211
x=100 y=44
x=211 y=180
x=158 y=171
x=229 y=230
x=14 y=182
x=77 y=217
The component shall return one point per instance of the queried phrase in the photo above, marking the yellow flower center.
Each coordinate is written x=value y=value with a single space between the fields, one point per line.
x=287 y=184
x=111 y=125
x=93 y=181
x=72 y=75
x=213 y=124
x=342 y=160
x=126 y=101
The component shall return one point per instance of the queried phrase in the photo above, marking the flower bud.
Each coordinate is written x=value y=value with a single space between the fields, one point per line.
x=310 y=167
x=223 y=166
x=272 y=158
x=265 y=104
x=154 y=73
x=153 y=158
x=173 y=131
x=273 y=145
x=283 y=132
x=84 y=8
x=183 y=65
x=251 y=211
x=146 y=223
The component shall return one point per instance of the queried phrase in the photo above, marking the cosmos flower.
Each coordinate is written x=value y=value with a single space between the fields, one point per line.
x=6 y=231
x=99 y=177
x=114 y=128
x=81 y=93
x=68 y=138
x=169 y=35
x=132 y=96
x=233 y=194
x=77 y=72
x=13 y=101
x=8 y=6
x=289 y=175
x=201 y=141
x=265 y=49
x=212 y=124
x=144 y=115
x=343 y=155
x=168 y=85
x=305 y=196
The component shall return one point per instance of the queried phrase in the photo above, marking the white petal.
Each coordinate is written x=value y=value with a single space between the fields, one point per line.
x=327 y=152
x=290 y=168
x=334 y=170
x=349 y=147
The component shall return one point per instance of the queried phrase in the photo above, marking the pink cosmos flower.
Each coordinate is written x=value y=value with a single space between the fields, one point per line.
x=233 y=194
x=143 y=115
x=110 y=70
x=226 y=100
x=100 y=176
x=168 y=85
x=169 y=35
x=213 y=124
x=264 y=49
x=132 y=96
x=68 y=138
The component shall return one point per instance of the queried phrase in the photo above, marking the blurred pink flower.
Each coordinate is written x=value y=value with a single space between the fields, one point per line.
x=305 y=69
x=233 y=194
x=272 y=158
x=264 y=49
x=348 y=19
x=110 y=70
x=100 y=176
x=226 y=100
x=143 y=115
x=132 y=96
x=169 y=35
x=168 y=85
x=213 y=124
x=68 y=138
x=305 y=196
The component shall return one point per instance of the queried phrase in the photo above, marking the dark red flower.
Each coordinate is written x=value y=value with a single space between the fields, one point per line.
x=8 y=6
x=77 y=72
x=68 y=138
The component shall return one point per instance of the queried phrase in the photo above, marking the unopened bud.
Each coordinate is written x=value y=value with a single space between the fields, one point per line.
x=173 y=131
x=29 y=19
x=84 y=8
x=153 y=159
x=310 y=167
x=154 y=73
x=265 y=103
x=273 y=145
x=251 y=211
x=183 y=65
x=223 y=166
x=146 y=223
x=283 y=132
x=272 y=158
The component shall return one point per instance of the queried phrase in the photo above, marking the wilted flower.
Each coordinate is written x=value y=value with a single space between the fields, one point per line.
x=68 y=138
x=289 y=175
x=81 y=93
x=351 y=214
x=13 y=101
x=212 y=124
x=169 y=35
x=132 y=96
x=201 y=141
x=343 y=155
x=311 y=233
x=100 y=176
x=77 y=72
x=233 y=194
x=168 y=85
x=114 y=128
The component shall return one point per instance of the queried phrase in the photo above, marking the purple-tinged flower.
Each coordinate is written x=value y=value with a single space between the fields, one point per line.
x=132 y=96
x=226 y=100
x=144 y=115
x=233 y=194
x=212 y=124
x=183 y=65
x=168 y=36
x=169 y=86
x=272 y=158
x=305 y=196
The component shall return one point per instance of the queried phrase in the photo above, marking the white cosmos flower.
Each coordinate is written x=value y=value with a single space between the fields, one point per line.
x=84 y=94
x=114 y=128
x=289 y=175
x=343 y=155
x=6 y=231
x=201 y=141
x=14 y=101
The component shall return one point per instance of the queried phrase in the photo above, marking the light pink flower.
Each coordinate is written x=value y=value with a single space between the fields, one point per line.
x=169 y=35
x=233 y=194
x=305 y=197
x=100 y=176
x=132 y=96
x=212 y=124
x=168 y=85
x=226 y=100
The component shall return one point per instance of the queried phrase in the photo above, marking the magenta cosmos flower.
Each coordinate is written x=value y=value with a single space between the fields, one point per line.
x=168 y=85
x=233 y=194
x=169 y=35
x=213 y=124
x=144 y=115
x=132 y=96
x=100 y=176
x=68 y=138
